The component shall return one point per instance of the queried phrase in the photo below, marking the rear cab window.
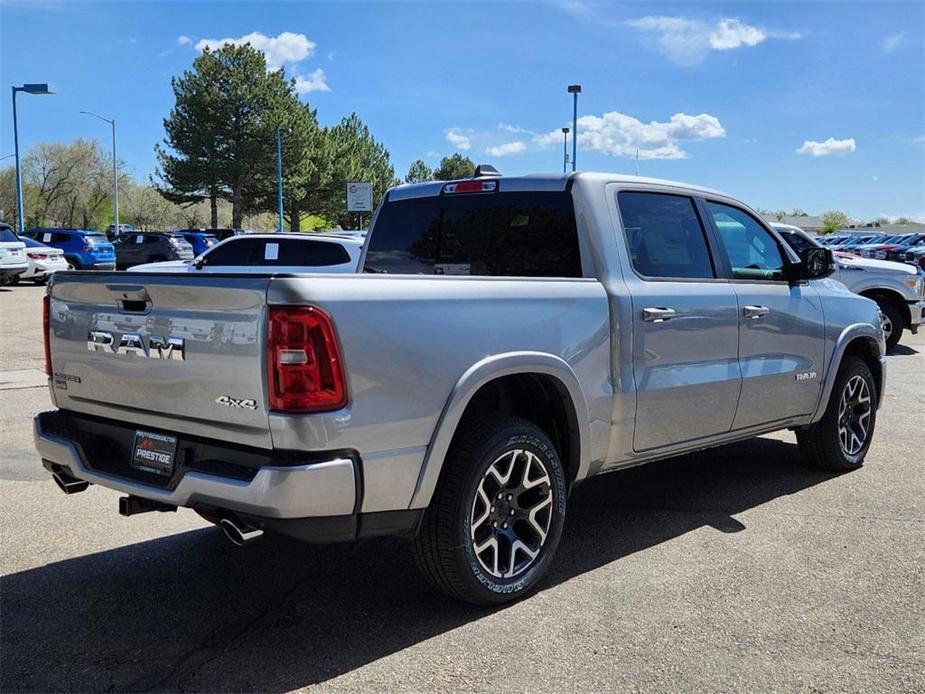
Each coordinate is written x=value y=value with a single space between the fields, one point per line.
x=490 y=234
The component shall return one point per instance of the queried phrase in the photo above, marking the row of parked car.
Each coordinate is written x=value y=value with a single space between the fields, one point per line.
x=37 y=253
x=903 y=248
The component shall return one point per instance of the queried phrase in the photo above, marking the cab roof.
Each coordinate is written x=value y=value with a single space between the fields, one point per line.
x=542 y=182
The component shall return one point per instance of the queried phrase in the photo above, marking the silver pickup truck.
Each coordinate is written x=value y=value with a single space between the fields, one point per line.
x=508 y=338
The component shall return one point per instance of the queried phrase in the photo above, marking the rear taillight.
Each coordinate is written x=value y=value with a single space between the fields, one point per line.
x=304 y=368
x=37 y=256
x=46 y=325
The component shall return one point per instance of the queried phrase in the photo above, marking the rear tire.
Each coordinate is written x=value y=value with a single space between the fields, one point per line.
x=14 y=279
x=840 y=440
x=493 y=525
x=892 y=324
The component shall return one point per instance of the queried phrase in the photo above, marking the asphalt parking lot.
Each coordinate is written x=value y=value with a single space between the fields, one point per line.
x=736 y=569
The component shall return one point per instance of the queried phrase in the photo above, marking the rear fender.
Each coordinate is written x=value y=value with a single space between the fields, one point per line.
x=467 y=386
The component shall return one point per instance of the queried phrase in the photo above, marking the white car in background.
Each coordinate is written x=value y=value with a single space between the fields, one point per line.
x=43 y=261
x=13 y=260
x=259 y=253
x=898 y=288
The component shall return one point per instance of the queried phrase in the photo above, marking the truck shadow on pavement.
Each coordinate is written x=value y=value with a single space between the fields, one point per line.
x=191 y=611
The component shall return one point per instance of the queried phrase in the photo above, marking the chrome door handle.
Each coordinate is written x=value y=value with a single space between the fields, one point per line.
x=755 y=311
x=657 y=315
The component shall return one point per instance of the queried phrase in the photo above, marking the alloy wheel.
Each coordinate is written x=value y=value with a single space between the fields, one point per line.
x=511 y=513
x=854 y=415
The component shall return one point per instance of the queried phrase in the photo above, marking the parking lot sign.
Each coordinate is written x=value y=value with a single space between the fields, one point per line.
x=359 y=196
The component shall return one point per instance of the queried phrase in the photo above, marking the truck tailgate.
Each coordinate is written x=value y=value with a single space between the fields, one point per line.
x=173 y=352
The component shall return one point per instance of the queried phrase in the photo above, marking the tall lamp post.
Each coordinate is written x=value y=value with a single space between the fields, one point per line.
x=574 y=90
x=29 y=89
x=564 y=149
x=279 y=180
x=115 y=173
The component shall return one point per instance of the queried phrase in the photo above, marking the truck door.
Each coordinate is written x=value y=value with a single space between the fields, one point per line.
x=781 y=325
x=685 y=323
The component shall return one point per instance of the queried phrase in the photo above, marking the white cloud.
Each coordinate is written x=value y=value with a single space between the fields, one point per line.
x=891 y=43
x=284 y=49
x=830 y=146
x=506 y=149
x=315 y=82
x=507 y=127
x=621 y=135
x=184 y=40
x=457 y=139
x=688 y=41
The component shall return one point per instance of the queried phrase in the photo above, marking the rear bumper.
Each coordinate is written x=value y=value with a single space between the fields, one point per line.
x=290 y=490
x=12 y=270
x=107 y=265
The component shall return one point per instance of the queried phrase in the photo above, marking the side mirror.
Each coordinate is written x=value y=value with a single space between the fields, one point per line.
x=815 y=263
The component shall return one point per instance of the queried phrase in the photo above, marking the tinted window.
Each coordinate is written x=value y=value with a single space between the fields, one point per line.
x=796 y=241
x=281 y=252
x=518 y=234
x=753 y=252
x=664 y=236
x=7 y=235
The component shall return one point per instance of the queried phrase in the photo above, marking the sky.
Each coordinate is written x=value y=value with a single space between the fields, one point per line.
x=811 y=105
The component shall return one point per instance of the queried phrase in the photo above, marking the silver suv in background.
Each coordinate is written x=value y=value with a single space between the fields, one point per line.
x=898 y=288
x=508 y=338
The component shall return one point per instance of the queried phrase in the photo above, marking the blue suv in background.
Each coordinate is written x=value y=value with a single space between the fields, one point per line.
x=83 y=249
x=199 y=239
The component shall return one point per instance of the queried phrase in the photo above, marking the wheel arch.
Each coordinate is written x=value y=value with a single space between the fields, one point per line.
x=894 y=298
x=505 y=373
x=864 y=341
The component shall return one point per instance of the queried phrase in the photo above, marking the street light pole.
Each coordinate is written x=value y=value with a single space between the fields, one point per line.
x=29 y=89
x=115 y=172
x=564 y=150
x=279 y=180
x=574 y=90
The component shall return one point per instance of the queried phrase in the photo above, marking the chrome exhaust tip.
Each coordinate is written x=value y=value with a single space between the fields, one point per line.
x=238 y=534
x=68 y=484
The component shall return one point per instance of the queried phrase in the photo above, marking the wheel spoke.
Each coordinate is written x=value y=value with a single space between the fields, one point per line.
x=483 y=497
x=531 y=517
x=491 y=542
x=516 y=547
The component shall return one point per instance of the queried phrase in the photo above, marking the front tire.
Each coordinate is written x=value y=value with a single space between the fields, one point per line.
x=492 y=528
x=892 y=322
x=840 y=440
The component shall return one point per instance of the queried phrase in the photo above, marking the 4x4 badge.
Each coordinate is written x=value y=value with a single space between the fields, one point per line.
x=227 y=401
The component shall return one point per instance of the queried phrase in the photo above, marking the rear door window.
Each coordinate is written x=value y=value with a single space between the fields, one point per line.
x=665 y=237
x=278 y=253
x=499 y=234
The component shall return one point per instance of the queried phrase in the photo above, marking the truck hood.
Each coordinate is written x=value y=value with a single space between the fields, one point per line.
x=879 y=265
x=163 y=266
